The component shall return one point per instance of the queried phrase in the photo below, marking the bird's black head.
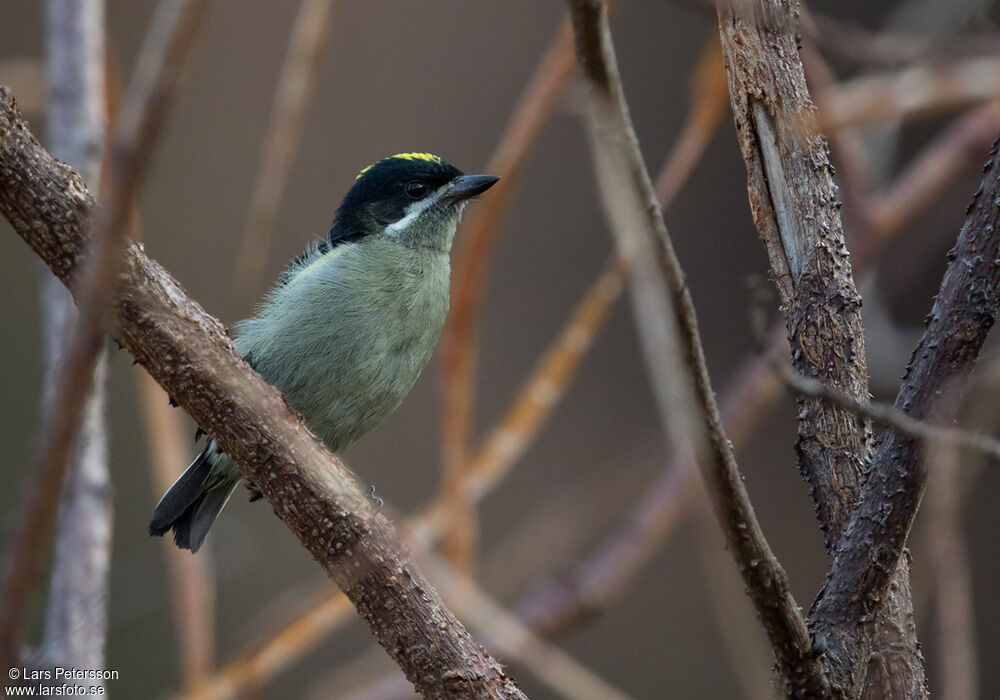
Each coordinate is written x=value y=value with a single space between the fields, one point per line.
x=416 y=198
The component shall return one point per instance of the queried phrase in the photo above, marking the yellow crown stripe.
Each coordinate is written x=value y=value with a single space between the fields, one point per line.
x=430 y=157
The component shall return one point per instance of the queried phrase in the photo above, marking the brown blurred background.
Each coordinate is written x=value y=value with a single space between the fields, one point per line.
x=443 y=77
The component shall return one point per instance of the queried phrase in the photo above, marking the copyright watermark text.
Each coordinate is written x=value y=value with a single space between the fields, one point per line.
x=59 y=681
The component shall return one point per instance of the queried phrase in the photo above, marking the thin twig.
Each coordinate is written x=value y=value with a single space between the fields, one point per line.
x=896 y=420
x=508 y=440
x=910 y=92
x=472 y=260
x=868 y=554
x=709 y=100
x=668 y=331
x=135 y=137
x=959 y=144
x=891 y=49
x=192 y=579
x=534 y=403
x=253 y=670
x=281 y=141
x=76 y=618
x=506 y=634
x=567 y=600
x=190 y=355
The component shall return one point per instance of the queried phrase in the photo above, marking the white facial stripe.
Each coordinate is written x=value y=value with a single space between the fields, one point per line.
x=415 y=210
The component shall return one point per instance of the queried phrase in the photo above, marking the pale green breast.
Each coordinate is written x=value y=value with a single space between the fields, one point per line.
x=347 y=335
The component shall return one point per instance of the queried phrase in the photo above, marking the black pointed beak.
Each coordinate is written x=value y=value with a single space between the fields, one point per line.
x=469 y=186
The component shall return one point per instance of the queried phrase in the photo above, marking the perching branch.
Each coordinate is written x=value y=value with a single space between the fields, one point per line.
x=672 y=348
x=189 y=354
x=142 y=115
x=868 y=554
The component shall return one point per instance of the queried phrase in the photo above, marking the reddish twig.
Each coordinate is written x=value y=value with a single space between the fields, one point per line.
x=909 y=92
x=474 y=249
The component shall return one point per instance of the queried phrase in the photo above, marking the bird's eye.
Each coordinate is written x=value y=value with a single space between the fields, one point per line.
x=416 y=190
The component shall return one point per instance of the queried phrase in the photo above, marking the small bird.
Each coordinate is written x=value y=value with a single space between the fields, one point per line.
x=350 y=324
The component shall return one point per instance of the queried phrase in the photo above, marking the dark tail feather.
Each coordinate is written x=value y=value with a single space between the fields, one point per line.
x=192 y=504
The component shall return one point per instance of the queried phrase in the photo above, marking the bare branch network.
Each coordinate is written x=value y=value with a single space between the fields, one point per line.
x=858 y=639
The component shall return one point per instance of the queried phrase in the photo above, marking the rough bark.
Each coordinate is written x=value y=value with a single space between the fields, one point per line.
x=873 y=545
x=188 y=352
x=795 y=205
x=671 y=343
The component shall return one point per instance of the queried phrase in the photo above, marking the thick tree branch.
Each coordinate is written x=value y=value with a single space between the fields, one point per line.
x=795 y=205
x=671 y=342
x=868 y=554
x=190 y=355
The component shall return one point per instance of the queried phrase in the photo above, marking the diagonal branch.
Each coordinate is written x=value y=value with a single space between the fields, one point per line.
x=472 y=259
x=868 y=554
x=671 y=342
x=189 y=354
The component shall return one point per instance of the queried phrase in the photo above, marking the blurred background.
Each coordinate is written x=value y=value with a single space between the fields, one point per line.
x=445 y=77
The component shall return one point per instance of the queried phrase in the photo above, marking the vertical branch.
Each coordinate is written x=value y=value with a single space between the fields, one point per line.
x=291 y=99
x=76 y=618
x=671 y=342
x=795 y=205
x=872 y=547
x=139 y=123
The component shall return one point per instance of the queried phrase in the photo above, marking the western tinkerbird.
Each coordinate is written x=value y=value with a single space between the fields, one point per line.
x=350 y=324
